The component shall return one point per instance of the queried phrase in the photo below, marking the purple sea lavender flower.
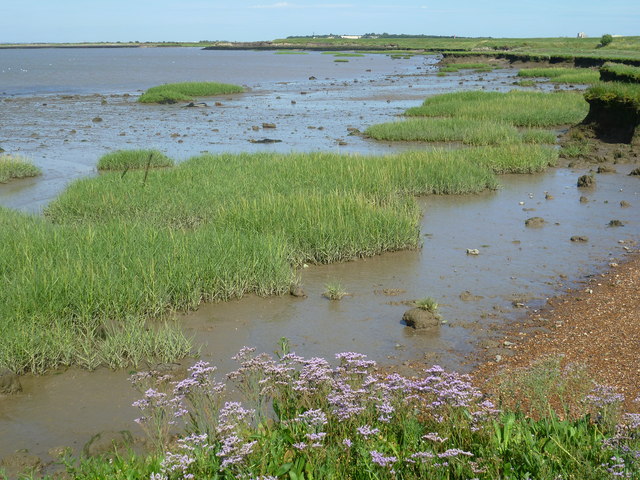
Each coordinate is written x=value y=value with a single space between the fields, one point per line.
x=300 y=446
x=347 y=442
x=366 y=431
x=357 y=363
x=379 y=459
x=434 y=437
x=454 y=452
x=420 y=456
x=313 y=418
x=603 y=396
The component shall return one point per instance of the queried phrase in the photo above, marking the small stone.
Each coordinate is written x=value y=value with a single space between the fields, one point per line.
x=297 y=291
x=507 y=343
x=579 y=238
x=624 y=204
x=498 y=358
x=96 y=120
x=584 y=199
x=548 y=196
x=268 y=125
x=473 y=251
x=534 y=222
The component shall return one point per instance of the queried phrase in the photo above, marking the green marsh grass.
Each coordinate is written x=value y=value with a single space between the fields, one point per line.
x=519 y=108
x=134 y=159
x=466 y=130
x=334 y=291
x=563 y=75
x=14 y=166
x=186 y=91
x=95 y=281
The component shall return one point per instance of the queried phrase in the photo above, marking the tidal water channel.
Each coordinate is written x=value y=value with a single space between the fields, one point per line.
x=51 y=98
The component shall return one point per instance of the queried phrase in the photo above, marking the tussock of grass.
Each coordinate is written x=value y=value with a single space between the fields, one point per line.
x=524 y=109
x=13 y=166
x=616 y=72
x=134 y=159
x=184 y=92
x=563 y=75
x=465 y=130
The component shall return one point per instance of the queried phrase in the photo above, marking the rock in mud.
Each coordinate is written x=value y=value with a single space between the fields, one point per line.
x=579 y=238
x=195 y=105
x=586 y=181
x=625 y=204
x=96 y=120
x=473 y=251
x=268 y=125
x=420 y=319
x=467 y=296
x=606 y=169
x=616 y=223
x=9 y=382
x=297 y=291
x=584 y=199
x=635 y=172
x=534 y=222
x=548 y=196
x=20 y=463
x=108 y=442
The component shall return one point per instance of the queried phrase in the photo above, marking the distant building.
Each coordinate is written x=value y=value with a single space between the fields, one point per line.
x=582 y=35
x=351 y=37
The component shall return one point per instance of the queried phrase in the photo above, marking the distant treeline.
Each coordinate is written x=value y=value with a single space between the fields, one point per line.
x=378 y=35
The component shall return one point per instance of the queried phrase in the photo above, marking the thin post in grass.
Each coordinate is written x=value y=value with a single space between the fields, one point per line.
x=146 y=170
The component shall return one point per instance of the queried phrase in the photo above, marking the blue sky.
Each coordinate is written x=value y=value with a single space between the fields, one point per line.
x=194 y=20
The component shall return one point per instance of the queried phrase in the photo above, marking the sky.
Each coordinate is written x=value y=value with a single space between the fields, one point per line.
x=29 y=21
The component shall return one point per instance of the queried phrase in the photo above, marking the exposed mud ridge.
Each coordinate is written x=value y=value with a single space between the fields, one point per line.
x=613 y=122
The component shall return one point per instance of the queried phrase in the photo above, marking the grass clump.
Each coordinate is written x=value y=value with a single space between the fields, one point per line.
x=563 y=75
x=186 y=91
x=312 y=418
x=334 y=291
x=523 y=109
x=14 y=166
x=617 y=72
x=134 y=159
x=428 y=304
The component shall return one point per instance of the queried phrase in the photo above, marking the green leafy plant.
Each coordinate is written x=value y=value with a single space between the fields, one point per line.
x=334 y=291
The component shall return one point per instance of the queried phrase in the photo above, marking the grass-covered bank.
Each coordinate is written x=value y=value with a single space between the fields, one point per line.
x=465 y=130
x=185 y=92
x=522 y=109
x=563 y=75
x=616 y=72
x=118 y=250
x=309 y=418
x=12 y=166
x=485 y=118
x=614 y=111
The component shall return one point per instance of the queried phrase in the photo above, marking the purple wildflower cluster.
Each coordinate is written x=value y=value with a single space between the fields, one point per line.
x=603 y=396
x=317 y=405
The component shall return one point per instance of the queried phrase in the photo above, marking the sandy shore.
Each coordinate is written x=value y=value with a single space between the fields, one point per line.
x=597 y=326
